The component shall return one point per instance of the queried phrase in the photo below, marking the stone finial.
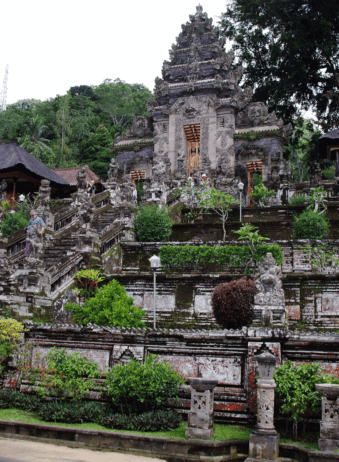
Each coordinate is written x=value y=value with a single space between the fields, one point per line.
x=264 y=440
x=329 y=425
x=201 y=417
x=199 y=9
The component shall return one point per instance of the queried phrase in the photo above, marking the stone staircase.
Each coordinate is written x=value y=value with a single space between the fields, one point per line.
x=60 y=250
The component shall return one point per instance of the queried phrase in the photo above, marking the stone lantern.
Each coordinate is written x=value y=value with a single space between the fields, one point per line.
x=264 y=440
x=329 y=425
x=201 y=417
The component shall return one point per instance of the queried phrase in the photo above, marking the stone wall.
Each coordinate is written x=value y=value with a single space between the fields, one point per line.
x=226 y=355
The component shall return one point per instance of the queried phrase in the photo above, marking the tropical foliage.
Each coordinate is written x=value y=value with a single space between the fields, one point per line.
x=64 y=131
x=109 y=307
x=152 y=224
x=290 y=51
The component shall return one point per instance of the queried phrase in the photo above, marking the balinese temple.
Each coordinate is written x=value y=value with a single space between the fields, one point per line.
x=201 y=121
x=23 y=173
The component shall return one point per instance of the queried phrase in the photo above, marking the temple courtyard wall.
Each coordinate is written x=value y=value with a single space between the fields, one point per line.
x=225 y=355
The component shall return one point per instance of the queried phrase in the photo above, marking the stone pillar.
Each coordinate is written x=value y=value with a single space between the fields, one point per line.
x=201 y=417
x=329 y=425
x=264 y=440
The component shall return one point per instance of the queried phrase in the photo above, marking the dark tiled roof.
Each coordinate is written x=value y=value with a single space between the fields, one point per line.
x=11 y=155
x=70 y=174
x=331 y=135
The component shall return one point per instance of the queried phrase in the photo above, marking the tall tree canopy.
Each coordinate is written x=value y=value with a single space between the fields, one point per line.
x=78 y=127
x=290 y=52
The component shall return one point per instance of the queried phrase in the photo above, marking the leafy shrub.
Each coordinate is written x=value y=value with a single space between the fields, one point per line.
x=261 y=194
x=296 y=396
x=299 y=200
x=147 y=422
x=65 y=375
x=310 y=225
x=15 y=399
x=152 y=224
x=142 y=387
x=191 y=258
x=117 y=421
x=13 y=222
x=60 y=411
x=109 y=307
x=9 y=340
x=232 y=303
x=157 y=421
x=87 y=282
x=328 y=173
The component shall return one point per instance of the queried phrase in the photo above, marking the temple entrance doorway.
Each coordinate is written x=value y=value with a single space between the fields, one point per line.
x=192 y=133
x=252 y=169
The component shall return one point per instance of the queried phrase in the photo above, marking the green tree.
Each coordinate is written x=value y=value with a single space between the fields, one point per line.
x=296 y=395
x=290 y=51
x=219 y=202
x=122 y=101
x=303 y=148
x=97 y=152
x=261 y=194
x=152 y=224
x=63 y=130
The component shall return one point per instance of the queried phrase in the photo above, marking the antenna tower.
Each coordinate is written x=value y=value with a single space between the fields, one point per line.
x=3 y=93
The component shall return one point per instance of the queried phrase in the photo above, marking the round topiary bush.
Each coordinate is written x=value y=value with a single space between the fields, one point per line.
x=232 y=303
x=310 y=225
x=152 y=224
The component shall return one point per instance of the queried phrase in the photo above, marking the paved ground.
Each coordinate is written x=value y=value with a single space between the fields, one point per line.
x=15 y=450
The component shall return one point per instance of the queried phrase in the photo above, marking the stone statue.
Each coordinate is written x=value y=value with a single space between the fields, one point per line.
x=44 y=195
x=82 y=179
x=269 y=302
x=269 y=280
x=113 y=170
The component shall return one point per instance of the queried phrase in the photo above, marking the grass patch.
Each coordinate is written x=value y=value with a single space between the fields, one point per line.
x=300 y=443
x=222 y=432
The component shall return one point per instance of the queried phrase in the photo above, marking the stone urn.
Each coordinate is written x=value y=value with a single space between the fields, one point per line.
x=329 y=425
x=200 y=416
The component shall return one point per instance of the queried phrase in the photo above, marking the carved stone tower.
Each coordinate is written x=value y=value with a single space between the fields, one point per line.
x=194 y=111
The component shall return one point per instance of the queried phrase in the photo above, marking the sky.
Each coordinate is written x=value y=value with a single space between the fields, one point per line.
x=52 y=46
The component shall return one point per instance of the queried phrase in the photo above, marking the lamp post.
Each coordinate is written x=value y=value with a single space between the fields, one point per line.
x=155 y=264
x=241 y=187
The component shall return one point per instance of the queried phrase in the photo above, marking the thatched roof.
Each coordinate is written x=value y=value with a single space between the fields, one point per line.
x=334 y=134
x=12 y=155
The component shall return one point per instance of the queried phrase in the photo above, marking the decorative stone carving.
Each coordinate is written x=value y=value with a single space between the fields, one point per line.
x=269 y=302
x=329 y=425
x=86 y=207
x=113 y=170
x=35 y=245
x=201 y=416
x=81 y=180
x=3 y=187
x=264 y=440
x=315 y=175
x=141 y=127
x=44 y=195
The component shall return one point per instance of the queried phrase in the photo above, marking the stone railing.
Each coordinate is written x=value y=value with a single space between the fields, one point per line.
x=65 y=218
x=101 y=199
x=110 y=237
x=16 y=243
